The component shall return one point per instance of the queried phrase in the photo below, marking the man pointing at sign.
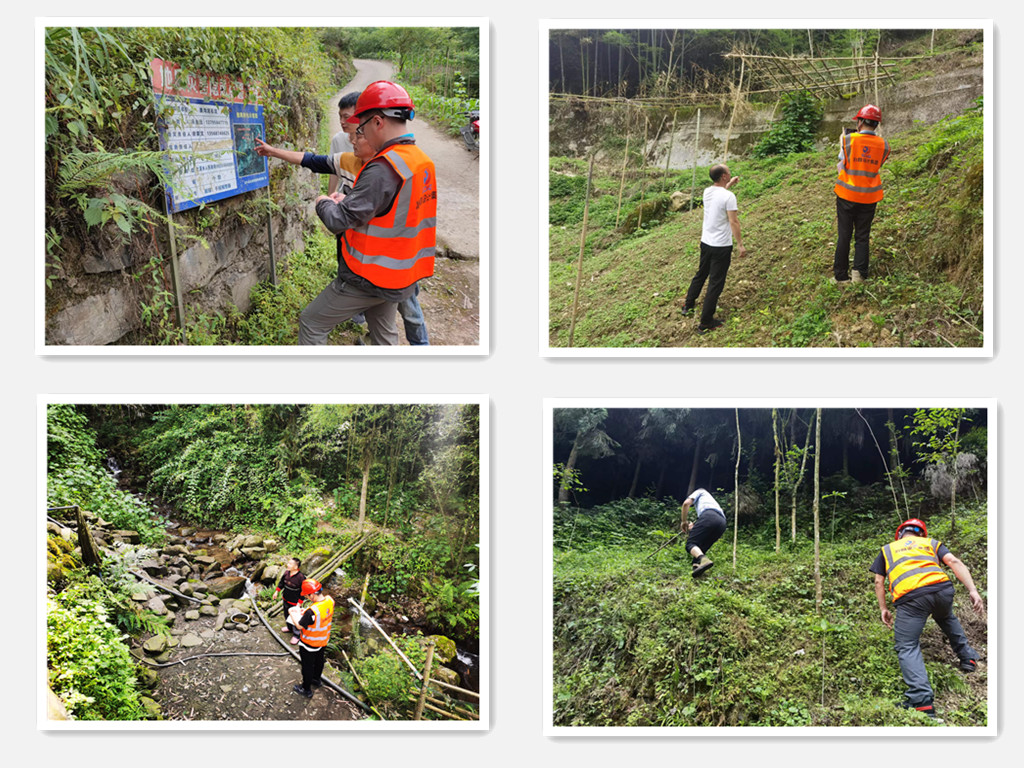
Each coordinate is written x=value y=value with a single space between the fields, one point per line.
x=385 y=226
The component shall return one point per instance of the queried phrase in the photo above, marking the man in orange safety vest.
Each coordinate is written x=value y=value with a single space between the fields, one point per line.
x=315 y=628
x=920 y=588
x=858 y=190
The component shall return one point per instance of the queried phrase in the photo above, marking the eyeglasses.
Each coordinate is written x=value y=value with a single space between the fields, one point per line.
x=359 y=129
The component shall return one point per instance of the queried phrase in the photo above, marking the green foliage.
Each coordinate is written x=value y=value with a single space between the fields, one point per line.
x=75 y=476
x=455 y=607
x=212 y=464
x=297 y=522
x=89 y=665
x=801 y=113
x=446 y=112
x=641 y=521
x=387 y=679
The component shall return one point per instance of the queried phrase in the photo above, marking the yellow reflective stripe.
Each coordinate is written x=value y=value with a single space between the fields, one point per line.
x=852 y=188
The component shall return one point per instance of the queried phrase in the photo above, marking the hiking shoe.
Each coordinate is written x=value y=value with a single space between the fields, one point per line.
x=302 y=691
x=687 y=311
x=968 y=665
x=837 y=281
x=857 y=277
x=925 y=709
x=316 y=683
x=716 y=323
x=701 y=565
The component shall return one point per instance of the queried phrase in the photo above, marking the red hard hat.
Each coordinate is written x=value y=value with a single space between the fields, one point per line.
x=869 y=112
x=309 y=586
x=386 y=96
x=912 y=523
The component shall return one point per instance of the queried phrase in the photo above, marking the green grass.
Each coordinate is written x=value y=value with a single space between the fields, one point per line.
x=926 y=286
x=638 y=642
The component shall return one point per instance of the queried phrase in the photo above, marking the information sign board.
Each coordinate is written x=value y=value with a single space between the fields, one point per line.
x=208 y=128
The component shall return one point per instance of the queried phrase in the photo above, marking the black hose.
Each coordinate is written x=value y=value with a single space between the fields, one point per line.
x=158 y=585
x=150 y=663
x=330 y=684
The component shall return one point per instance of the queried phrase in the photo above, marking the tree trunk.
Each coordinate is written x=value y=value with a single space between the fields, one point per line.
x=800 y=479
x=736 y=491
x=693 y=469
x=817 y=500
x=636 y=476
x=778 y=456
x=661 y=482
x=90 y=552
x=570 y=465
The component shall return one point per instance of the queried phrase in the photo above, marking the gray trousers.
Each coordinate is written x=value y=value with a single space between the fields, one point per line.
x=339 y=302
x=911 y=616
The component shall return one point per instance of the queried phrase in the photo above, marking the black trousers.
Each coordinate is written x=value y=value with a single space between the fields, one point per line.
x=706 y=531
x=714 y=264
x=854 y=219
x=312 y=666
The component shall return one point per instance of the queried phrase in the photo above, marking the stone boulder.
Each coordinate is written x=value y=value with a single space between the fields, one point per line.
x=151 y=707
x=252 y=541
x=257 y=574
x=154 y=568
x=157 y=606
x=190 y=641
x=192 y=615
x=445 y=675
x=132 y=537
x=227 y=586
x=156 y=645
x=270 y=574
x=254 y=553
x=444 y=648
x=205 y=560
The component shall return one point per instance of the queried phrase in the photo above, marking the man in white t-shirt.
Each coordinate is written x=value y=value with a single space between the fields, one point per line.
x=706 y=531
x=721 y=226
x=341 y=142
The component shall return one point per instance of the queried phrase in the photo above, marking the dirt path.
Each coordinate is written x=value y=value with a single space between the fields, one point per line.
x=241 y=687
x=451 y=298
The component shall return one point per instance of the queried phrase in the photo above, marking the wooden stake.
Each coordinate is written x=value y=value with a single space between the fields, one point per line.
x=876 y=77
x=622 y=177
x=696 y=149
x=817 y=499
x=579 y=263
x=736 y=491
x=778 y=457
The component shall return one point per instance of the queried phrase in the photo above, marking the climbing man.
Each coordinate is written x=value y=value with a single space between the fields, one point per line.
x=315 y=627
x=919 y=589
x=706 y=531
x=858 y=190
x=721 y=225
x=386 y=226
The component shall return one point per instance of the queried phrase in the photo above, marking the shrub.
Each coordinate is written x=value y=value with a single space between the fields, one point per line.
x=90 y=667
x=801 y=113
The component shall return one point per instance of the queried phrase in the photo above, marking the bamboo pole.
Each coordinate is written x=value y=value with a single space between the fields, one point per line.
x=735 y=105
x=778 y=457
x=736 y=491
x=671 y=143
x=387 y=637
x=622 y=177
x=696 y=149
x=579 y=263
x=876 y=77
x=455 y=688
x=643 y=178
x=817 y=500
x=426 y=682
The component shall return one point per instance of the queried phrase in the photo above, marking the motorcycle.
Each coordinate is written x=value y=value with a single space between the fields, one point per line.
x=471 y=131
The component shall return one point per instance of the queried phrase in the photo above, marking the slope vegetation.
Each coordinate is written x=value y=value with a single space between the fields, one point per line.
x=637 y=642
x=926 y=287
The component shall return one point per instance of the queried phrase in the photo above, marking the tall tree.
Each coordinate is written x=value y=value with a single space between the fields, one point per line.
x=778 y=459
x=588 y=439
x=736 y=491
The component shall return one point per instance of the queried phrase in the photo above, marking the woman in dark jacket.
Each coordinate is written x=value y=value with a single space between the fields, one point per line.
x=290 y=586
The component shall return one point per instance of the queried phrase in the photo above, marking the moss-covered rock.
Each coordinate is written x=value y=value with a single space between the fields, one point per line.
x=444 y=648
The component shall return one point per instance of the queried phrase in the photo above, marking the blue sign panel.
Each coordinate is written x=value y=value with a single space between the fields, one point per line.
x=211 y=148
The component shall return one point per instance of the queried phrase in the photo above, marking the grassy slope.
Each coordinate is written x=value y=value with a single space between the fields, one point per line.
x=926 y=255
x=640 y=643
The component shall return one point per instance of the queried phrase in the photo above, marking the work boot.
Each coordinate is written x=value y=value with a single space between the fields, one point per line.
x=302 y=691
x=701 y=565
x=968 y=665
x=715 y=323
x=925 y=709
x=857 y=277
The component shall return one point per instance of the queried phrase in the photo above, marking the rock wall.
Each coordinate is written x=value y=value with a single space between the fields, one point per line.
x=99 y=303
x=579 y=126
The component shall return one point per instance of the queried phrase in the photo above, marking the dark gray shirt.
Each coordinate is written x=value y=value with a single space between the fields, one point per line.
x=372 y=196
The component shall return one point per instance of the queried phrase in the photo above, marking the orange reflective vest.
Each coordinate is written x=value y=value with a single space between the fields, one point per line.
x=318 y=633
x=910 y=563
x=397 y=249
x=863 y=155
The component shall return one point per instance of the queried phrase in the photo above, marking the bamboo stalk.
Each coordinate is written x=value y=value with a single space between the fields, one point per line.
x=426 y=682
x=671 y=143
x=579 y=263
x=454 y=688
x=643 y=178
x=362 y=685
x=735 y=105
x=622 y=178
